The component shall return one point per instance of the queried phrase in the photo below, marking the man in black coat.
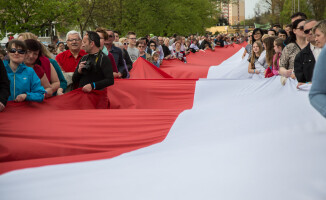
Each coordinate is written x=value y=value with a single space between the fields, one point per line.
x=305 y=60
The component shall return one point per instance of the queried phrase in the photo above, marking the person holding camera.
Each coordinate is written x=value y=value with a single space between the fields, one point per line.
x=94 y=71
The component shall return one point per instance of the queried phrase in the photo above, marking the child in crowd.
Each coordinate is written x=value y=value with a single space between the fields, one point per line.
x=177 y=53
x=278 y=48
x=156 y=60
x=269 y=48
x=257 y=49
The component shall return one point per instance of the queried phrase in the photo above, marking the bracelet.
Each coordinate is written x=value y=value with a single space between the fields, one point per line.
x=254 y=70
x=94 y=85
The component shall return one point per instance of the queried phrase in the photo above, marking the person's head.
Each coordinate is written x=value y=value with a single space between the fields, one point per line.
x=257 y=48
x=178 y=45
x=264 y=37
x=124 y=42
x=257 y=34
x=288 y=29
x=152 y=45
x=27 y=35
x=160 y=40
x=308 y=25
x=103 y=36
x=132 y=38
x=269 y=47
x=250 y=37
x=282 y=34
x=298 y=15
x=320 y=33
x=16 y=51
x=276 y=27
x=141 y=46
x=278 y=48
x=167 y=42
x=155 y=56
x=61 y=46
x=2 y=54
x=194 y=41
x=183 y=40
x=279 y=45
x=52 y=49
x=111 y=38
x=74 y=41
x=297 y=30
x=271 y=32
x=116 y=36
x=55 y=39
x=178 y=39
x=34 y=51
x=91 y=42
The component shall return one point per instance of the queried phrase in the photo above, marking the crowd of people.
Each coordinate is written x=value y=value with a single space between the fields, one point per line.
x=30 y=71
x=291 y=53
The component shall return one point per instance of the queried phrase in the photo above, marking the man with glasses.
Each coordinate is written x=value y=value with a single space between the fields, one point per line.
x=69 y=59
x=305 y=60
x=142 y=53
x=94 y=71
x=132 y=50
x=116 y=53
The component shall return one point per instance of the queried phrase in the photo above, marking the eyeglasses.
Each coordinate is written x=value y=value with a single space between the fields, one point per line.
x=111 y=36
x=141 y=46
x=300 y=28
x=125 y=43
x=152 y=45
x=20 y=51
x=307 y=31
x=73 y=40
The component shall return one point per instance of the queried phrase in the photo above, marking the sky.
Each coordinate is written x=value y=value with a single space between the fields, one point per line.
x=249 y=8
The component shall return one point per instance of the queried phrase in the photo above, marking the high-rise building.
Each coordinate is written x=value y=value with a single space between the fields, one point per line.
x=232 y=10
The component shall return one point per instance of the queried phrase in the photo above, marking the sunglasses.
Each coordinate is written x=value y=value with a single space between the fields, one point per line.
x=111 y=36
x=300 y=28
x=20 y=51
x=152 y=45
x=125 y=43
x=307 y=31
x=141 y=46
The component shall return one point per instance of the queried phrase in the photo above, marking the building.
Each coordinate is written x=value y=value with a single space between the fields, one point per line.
x=232 y=10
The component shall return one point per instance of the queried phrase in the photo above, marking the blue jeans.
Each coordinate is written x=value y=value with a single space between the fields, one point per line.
x=317 y=93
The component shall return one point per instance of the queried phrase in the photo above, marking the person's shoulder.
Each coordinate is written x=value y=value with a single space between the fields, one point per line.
x=291 y=45
x=81 y=52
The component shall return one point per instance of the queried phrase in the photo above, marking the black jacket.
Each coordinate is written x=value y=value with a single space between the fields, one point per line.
x=100 y=73
x=304 y=64
x=4 y=84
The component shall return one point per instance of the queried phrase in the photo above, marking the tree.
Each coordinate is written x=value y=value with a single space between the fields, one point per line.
x=35 y=15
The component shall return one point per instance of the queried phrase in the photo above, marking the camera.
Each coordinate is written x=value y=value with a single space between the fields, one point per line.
x=88 y=66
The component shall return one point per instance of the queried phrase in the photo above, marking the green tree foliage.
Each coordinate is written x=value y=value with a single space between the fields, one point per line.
x=279 y=11
x=163 y=17
x=34 y=15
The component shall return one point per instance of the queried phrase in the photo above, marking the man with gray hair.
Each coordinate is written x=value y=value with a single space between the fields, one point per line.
x=68 y=60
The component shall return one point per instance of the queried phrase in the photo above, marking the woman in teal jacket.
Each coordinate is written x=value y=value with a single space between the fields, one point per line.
x=24 y=83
